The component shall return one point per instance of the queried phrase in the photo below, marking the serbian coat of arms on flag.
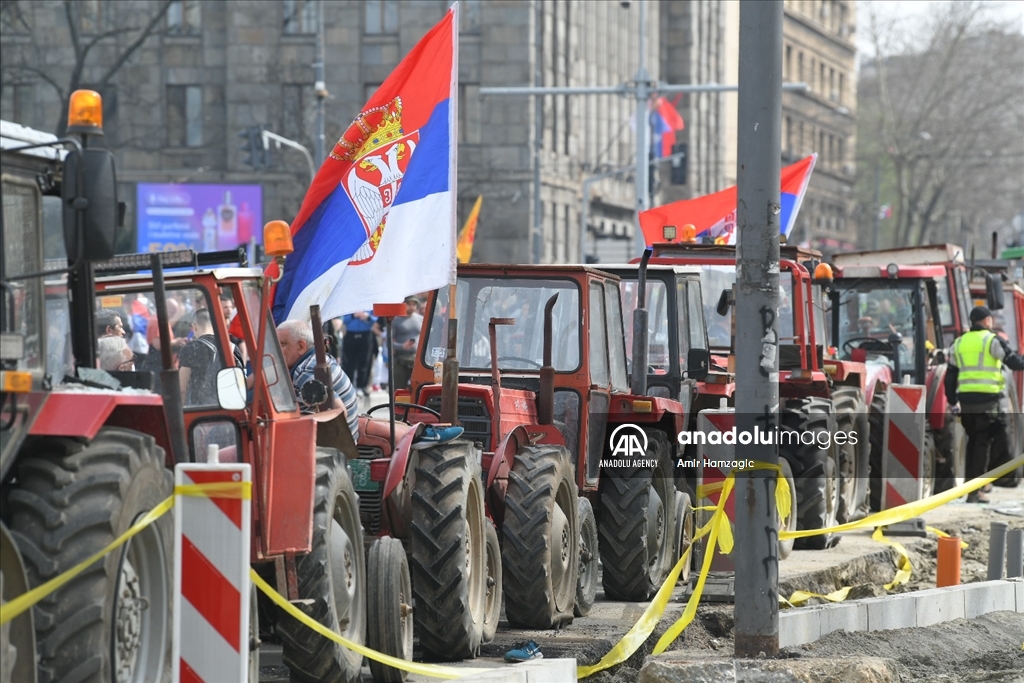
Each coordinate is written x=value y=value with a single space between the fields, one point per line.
x=378 y=221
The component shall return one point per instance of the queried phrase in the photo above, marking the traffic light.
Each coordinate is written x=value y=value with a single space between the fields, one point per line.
x=679 y=163
x=256 y=154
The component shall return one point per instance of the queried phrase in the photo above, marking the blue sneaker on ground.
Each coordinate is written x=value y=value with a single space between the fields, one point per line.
x=432 y=436
x=524 y=653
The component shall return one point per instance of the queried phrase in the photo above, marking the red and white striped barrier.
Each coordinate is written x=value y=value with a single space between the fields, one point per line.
x=709 y=421
x=903 y=442
x=211 y=576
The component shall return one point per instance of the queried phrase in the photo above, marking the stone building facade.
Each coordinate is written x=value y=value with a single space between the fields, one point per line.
x=212 y=69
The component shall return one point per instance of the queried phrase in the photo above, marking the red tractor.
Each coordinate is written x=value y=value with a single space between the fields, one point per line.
x=902 y=309
x=91 y=430
x=543 y=390
x=818 y=392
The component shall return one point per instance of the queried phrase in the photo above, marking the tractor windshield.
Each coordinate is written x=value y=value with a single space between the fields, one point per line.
x=521 y=344
x=714 y=280
x=1004 y=321
x=869 y=313
x=657 y=322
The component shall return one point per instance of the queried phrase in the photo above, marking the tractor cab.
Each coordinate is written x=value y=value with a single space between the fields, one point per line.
x=677 y=338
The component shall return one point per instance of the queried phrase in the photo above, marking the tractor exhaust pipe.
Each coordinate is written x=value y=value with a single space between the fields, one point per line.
x=170 y=388
x=492 y=334
x=639 y=379
x=546 y=396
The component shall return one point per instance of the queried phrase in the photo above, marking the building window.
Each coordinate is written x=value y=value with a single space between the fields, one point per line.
x=841 y=151
x=88 y=15
x=15 y=18
x=789 y=135
x=300 y=16
x=293 y=113
x=821 y=80
x=183 y=17
x=789 y=62
x=17 y=103
x=381 y=16
x=800 y=66
x=469 y=16
x=469 y=113
x=842 y=85
x=184 y=116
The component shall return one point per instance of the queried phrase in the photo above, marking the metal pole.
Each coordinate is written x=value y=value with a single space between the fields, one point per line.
x=643 y=143
x=757 y=298
x=1014 y=553
x=585 y=218
x=538 y=141
x=996 y=550
x=320 y=87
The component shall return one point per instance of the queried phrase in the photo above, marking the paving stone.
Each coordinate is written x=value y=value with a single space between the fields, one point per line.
x=988 y=596
x=937 y=605
x=799 y=626
x=892 y=611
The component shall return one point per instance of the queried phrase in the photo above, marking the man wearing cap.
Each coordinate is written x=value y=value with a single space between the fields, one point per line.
x=406 y=329
x=974 y=386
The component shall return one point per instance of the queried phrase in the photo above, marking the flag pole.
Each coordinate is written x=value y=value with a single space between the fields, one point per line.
x=450 y=368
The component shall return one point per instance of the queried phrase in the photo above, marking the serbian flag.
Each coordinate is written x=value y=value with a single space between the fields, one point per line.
x=713 y=216
x=378 y=221
x=665 y=121
x=464 y=249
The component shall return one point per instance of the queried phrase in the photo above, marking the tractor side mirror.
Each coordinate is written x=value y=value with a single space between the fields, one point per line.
x=313 y=392
x=994 y=292
x=231 y=389
x=723 y=302
x=698 y=362
x=95 y=202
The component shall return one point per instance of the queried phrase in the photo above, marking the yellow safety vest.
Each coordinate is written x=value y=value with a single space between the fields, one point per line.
x=980 y=371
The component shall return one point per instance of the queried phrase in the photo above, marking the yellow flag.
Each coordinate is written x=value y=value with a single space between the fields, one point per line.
x=464 y=250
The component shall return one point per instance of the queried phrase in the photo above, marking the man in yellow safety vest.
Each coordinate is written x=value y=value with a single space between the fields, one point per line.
x=974 y=386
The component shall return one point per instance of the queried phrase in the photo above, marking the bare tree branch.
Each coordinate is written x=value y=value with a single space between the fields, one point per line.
x=130 y=50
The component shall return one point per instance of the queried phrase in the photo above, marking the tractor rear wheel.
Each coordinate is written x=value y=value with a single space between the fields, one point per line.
x=815 y=467
x=854 y=458
x=389 y=607
x=17 y=637
x=586 y=582
x=113 y=621
x=636 y=523
x=448 y=551
x=789 y=523
x=684 y=532
x=333 y=577
x=540 y=555
x=492 y=609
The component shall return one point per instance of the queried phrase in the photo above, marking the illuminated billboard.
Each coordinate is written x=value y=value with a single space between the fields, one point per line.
x=198 y=217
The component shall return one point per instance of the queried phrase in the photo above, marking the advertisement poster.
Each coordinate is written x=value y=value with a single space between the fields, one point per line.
x=198 y=217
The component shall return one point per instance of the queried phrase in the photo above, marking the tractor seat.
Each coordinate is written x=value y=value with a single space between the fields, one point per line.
x=859 y=355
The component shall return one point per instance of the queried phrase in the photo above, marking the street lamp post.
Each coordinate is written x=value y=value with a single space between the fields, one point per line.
x=281 y=140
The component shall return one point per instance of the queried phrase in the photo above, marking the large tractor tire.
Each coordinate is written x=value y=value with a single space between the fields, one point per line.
x=684 y=532
x=448 y=551
x=636 y=524
x=332 y=576
x=785 y=546
x=876 y=422
x=389 y=607
x=18 y=636
x=113 y=621
x=586 y=582
x=492 y=608
x=815 y=467
x=540 y=554
x=854 y=458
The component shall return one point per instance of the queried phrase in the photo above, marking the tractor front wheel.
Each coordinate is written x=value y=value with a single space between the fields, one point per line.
x=540 y=555
x=389 y=606
x=332 y=578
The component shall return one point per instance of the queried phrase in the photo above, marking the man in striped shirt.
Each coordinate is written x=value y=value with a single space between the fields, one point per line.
x=297 y=346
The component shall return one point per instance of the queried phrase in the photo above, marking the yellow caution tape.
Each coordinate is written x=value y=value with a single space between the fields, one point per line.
x=903 y=567
x=964 y=545
x=18 y=605
x=431 y=670
x=800 y=597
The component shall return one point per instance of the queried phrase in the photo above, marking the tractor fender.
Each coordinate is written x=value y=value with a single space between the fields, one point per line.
x=81 y=414
x=505 y=454
x=878 y=376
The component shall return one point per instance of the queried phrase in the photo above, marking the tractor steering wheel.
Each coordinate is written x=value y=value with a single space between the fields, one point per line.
x=521 y=360
x=406 y=406
x=868 y=344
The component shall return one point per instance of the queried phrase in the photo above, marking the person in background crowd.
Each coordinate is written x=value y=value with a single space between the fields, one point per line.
x=974 y=385
x=297 y=346
x=358 y=346
x=198 y=363
x=114 y=355
x=407 y=332
x=109 y=323
x=227 y=304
